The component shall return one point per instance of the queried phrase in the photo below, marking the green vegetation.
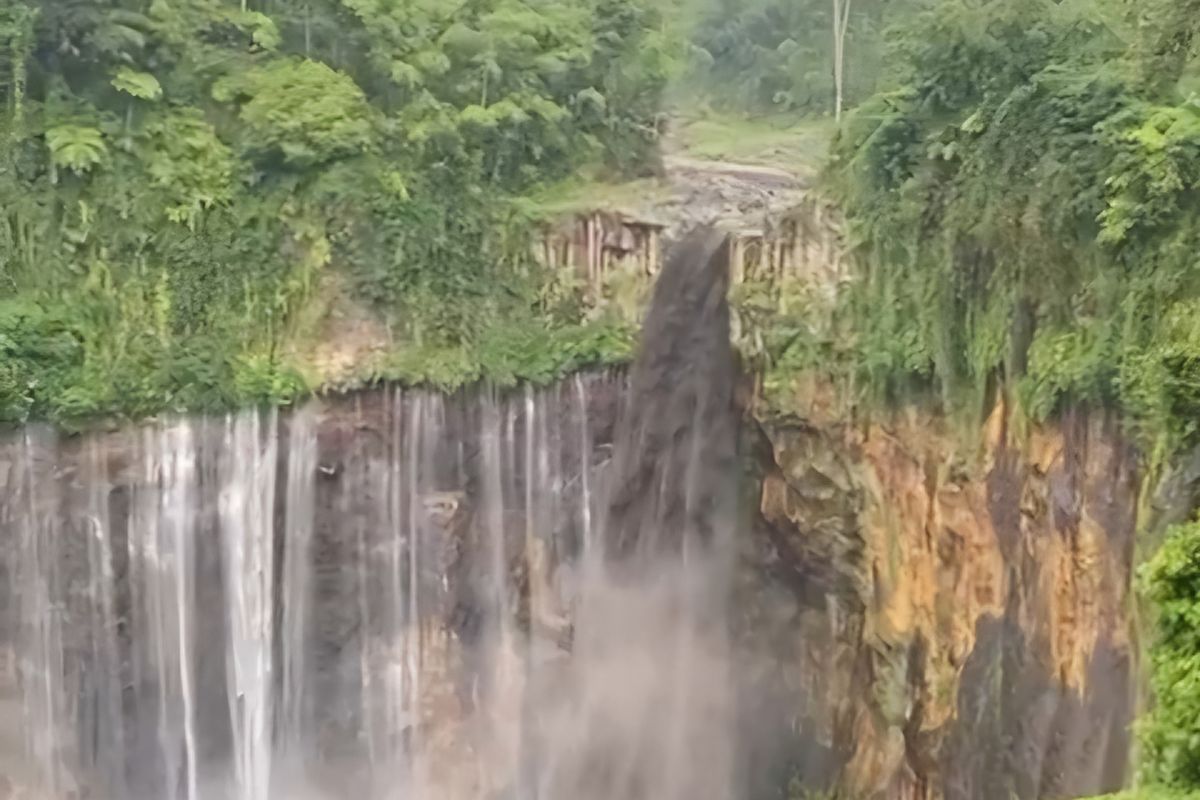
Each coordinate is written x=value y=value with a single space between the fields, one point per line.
x=1024 y=207
x=583 y=193
x=798 y=144
x=782 y=55
x=182 y=181
x=189 y=187
x=507 y=354
x=1024 y=203
x=1171 y=731
x=179 y=179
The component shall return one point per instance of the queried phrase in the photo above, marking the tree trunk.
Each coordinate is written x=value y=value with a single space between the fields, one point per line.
x=841 y=23
x=17 y=95
x=307 y=31
x=19 y=47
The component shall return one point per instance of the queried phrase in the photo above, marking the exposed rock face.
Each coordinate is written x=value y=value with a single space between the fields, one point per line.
x=907 y=622
x=956 y=629
x=339 y=586
x=617 y=255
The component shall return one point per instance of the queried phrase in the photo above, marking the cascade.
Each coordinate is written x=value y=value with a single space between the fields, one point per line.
x=353 y=593
x=396 y=594
x=544 y=594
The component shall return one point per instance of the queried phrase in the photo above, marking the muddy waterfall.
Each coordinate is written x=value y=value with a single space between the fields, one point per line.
x=622 y=586
x=416 y=597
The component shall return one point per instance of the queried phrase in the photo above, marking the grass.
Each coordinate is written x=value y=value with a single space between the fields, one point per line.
x=786 y=142
x=798 y=145
x=584 y=193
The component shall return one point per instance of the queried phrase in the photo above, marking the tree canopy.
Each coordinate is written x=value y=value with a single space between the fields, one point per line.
x=1023 y=205
x=178 y=176
x=1025 y=200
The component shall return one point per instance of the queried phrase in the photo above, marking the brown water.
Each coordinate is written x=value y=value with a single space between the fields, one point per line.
x=398 y=595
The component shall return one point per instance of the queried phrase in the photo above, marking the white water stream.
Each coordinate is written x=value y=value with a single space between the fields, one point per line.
x=373 y=601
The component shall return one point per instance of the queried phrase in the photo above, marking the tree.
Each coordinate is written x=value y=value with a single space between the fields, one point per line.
x=300 y=110
x=174 y=173
x=1168 y=37
x=1171 y=734
x=16 y=39
x=841 y=23
x=790 y=55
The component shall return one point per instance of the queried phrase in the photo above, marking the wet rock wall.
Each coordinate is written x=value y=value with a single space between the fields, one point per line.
x=958 y=621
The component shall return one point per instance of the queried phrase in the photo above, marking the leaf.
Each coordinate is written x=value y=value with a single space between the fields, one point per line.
x=433 y=62
x=301 y=109
x=478 y=116
x=118 y=39
x=974 y=123
x=142 y=85
x=187 y=161
x=76 y=147
x=265 y=34
x=393 y=181
x=592 y=98
x=405 y=74
x=788 y=48
x=464 y=41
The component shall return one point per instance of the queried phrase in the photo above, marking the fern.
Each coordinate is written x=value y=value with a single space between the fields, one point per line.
x=141 y=85
x=181 y=185
x=76 y=147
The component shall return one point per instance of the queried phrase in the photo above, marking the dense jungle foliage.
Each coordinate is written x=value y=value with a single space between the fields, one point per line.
x=1171 y=732
x=778 y=55
x=1024 y=206
x=185 y=184
x=1025 y=200
x=190 y=190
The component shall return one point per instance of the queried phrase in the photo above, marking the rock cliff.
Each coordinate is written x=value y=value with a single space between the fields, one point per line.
x=946 y=620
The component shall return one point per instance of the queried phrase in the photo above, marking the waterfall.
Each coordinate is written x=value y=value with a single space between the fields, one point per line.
x=394 y=594
x=294 y=714
x=354 y=596
x=247 y=502
x=648 y=709
x=44 y=687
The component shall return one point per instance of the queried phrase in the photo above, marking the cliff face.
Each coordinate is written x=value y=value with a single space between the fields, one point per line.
x=386 y=584
x=956 y=628
x=327 y=599
x=907 y=623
